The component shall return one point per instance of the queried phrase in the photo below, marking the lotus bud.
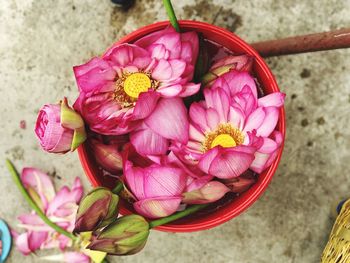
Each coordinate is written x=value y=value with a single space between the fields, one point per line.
x=239 y=63
x=239 y=184
x=126 y=236
x=59 y=128
x=96 y=210
x=107 y=156
x=210 y=192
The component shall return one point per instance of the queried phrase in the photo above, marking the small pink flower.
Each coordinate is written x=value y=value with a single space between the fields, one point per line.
x=59 y=128
x=157 y=188
x=231 y=128
x=123 y=87
x=60 y=208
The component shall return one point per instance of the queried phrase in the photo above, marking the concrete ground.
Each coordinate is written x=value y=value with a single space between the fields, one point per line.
x=40 y=41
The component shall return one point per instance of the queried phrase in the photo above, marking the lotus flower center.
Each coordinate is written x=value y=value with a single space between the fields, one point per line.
x=224 y=135
x=137 y=83
x=224 y=140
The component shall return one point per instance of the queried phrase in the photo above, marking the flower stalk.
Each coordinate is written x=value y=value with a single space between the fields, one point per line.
x=171 y=14
x=190 y=210
x=33 y=205
x=118 y=188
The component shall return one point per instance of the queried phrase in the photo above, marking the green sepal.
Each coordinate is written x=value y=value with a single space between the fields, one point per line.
x=70 y=119
x=79 y=137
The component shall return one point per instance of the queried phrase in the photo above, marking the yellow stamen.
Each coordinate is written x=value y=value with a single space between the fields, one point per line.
x=224 y=135
x=137 y=83
x=225 y=140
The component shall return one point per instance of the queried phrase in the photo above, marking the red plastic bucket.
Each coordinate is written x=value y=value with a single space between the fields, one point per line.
x=233 y=208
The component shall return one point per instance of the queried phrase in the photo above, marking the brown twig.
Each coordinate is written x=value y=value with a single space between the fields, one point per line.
x=308 y=43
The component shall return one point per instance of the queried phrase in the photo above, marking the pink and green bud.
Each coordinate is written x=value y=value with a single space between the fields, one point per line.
x=126 y=236
x=208 y=193
x=96 y=210
x=239 y=184
x=239 y=63
x=107 y=156
x=59 y=128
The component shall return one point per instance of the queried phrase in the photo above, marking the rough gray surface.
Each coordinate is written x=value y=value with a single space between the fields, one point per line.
x=41 y=40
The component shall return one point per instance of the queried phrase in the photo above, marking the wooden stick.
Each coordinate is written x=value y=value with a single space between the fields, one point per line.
x=307 y=43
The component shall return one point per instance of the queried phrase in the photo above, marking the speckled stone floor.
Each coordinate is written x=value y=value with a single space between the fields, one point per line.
x=40 y=41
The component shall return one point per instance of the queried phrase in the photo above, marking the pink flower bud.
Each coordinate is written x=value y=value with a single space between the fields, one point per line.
x=202 y=194
x=59 y=128
x=107 y=156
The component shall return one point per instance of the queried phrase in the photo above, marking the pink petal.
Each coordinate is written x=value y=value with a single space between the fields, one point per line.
x=245 y=100
x=198 y=117
x=207 y=159
x=209 y=193
x=231 y=162
x=148 y=142
x=36 y=239
x=162 y=70
x=145 y=104
x=162 y=181
x=41 y=182
x=195 y=134
x=94 y=76
x=213 y=119
x=192 y=39
x=77 y=190
x=275 y=99
x=219 y=100
x=236 y=117
x=269 y=122
x=134 y=177
x=168 y=70
x=234 y=81
x=159 y=51
x=170 y=91
x=197 y=183
x=76 y=257
x=126 y=54
x=169 y=119
x=259 y=163
x=255 y=120
x=189 y=89
x=150 y=39
x=64 y=204
x=22 y=244
x=157 y=207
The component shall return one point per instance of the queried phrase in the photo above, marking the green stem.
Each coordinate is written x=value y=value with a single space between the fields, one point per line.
x=116 y=190
x=171 y=14
x=33 y=205
x=190 y=210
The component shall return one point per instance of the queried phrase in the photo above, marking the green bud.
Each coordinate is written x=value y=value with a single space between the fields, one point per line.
x=96 y=210
x=126 y=236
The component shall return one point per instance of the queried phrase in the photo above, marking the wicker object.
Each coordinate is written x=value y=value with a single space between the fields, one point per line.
x=337 y=249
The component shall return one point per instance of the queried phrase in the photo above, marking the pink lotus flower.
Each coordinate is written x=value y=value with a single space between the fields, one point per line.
x=230 y=131
x=157 y=188
x=124 y=85
x=59 y=128
x=60 y=208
